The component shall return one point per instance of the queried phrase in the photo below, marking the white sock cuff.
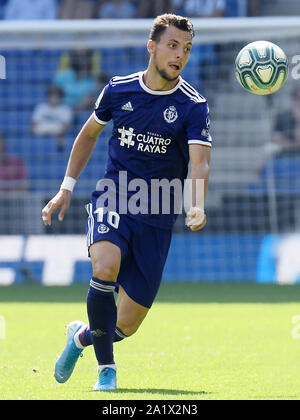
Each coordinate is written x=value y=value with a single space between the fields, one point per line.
x=101 y=367
x=76 y=338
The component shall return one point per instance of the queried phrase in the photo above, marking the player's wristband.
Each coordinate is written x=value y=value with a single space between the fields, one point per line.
x=68 y=183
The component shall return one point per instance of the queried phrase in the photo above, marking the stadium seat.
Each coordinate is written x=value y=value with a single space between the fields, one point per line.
x=285 y=171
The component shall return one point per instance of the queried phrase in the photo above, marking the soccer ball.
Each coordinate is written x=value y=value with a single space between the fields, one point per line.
x=261 y=67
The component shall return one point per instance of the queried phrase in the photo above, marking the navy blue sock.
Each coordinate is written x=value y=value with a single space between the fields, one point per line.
x=119 y=335
x=102 y=314
x=86 y=339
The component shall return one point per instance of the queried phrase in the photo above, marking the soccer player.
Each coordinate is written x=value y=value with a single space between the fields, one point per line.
x=160 y=124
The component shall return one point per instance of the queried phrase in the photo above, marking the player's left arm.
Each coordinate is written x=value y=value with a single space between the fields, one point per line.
x=199 y=176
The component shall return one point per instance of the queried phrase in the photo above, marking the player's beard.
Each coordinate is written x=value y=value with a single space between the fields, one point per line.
x=163 y=74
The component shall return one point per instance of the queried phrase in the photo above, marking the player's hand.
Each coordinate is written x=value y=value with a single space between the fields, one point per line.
x=60 y=201
x=196 y=218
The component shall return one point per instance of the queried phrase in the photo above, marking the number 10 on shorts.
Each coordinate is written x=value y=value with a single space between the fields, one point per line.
x=113 y=218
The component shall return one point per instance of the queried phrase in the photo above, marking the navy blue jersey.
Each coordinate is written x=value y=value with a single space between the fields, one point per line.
x=151 y=133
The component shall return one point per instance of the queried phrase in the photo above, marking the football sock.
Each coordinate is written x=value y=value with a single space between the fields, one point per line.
x=102 y=314
x=119 y=335
x=84 y=336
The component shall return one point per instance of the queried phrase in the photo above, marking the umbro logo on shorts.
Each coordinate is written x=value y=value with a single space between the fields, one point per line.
x=127 y=107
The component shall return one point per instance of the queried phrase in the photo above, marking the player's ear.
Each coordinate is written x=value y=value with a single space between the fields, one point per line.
x=151 y=46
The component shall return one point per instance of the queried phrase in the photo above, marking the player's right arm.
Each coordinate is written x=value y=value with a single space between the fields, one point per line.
x=199 y=141
x=80 y=155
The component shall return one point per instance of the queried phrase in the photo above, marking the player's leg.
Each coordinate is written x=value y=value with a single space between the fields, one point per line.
x=102 y=310
x=140 y=277
x=130 y=314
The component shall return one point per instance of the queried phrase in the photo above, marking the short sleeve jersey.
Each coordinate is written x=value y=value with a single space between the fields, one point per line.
x=151 y=134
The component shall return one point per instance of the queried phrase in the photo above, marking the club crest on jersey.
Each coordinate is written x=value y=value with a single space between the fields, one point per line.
x=170 y=114
x=102 y=228
x=208 y=123
x=205 y=131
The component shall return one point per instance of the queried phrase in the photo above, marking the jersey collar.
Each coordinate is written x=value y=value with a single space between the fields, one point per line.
x=158 y=92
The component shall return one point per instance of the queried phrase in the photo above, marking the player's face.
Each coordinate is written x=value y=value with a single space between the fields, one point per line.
x=171 y=52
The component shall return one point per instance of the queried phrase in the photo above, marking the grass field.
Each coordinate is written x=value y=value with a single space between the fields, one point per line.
x=199 y=341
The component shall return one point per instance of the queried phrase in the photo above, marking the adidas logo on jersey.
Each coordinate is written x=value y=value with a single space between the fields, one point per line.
x=127 y=107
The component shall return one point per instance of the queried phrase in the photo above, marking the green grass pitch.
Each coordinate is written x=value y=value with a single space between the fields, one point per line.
x=199 y=341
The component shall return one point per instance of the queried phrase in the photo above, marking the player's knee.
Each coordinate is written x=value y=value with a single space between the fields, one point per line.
x=105 y=272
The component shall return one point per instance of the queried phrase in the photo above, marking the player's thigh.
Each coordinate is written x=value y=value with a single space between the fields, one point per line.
x=130 y=313
x=106 y=260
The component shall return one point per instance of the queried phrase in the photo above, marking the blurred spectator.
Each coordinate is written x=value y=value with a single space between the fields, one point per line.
x=77 y=9
x=13 y=174
x=242 y=8
x=101 y=81
x=280 y=165
x=287 y=127
x=117 y=9
x=52 y=118
x=77 y=81
x=254 y=7
x=202 y=8
x=150 y=9
x=30 y=9
x=236 y=8
x=81 y=117
x=199 y=8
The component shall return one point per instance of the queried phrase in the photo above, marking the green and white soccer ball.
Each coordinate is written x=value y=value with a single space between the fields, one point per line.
x=261 y=67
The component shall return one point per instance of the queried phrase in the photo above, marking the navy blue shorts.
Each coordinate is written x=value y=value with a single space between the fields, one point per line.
x=144 y=251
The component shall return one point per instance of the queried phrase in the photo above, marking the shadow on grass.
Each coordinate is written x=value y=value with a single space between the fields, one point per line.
x=156 y=391
x=168 y=293
x=275 y=397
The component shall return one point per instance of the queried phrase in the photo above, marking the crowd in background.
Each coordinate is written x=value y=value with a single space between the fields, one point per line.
x=72 y=94
x=110 y=9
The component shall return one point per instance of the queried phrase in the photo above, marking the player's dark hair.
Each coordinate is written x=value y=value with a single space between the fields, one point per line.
x=162 y=22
